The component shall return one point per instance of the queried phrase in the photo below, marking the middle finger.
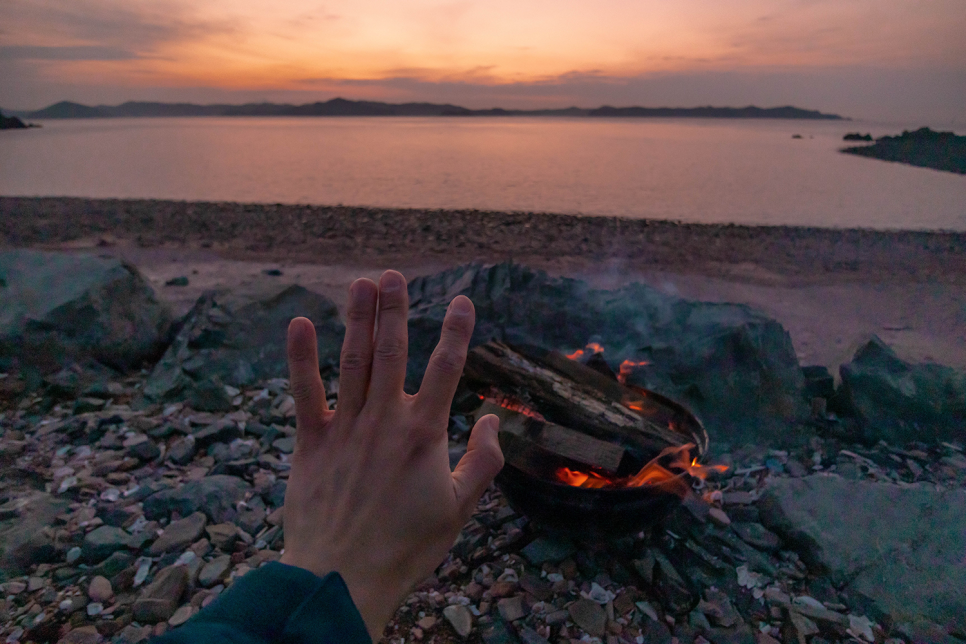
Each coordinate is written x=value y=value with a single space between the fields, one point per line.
x=392 y=341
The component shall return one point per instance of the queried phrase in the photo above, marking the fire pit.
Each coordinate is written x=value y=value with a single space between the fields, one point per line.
x=585 y=453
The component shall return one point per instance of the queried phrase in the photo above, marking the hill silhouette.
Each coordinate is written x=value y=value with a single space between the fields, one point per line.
x=344 y=107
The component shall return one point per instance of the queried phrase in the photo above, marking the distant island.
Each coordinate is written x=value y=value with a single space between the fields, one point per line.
x=343 y=107
x=12 y=123
x=924 y=148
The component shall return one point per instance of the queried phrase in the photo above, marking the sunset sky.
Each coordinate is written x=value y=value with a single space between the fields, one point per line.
x=881 y=59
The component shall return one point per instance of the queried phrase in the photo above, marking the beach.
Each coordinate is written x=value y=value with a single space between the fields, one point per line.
x=830 y=288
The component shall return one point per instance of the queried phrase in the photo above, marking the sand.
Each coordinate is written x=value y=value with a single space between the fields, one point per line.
x=831 y=289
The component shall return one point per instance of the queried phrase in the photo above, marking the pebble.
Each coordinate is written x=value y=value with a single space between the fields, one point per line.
x=511 y=608
x=589 y=616
x=182 y=615
x=719 y=517
x=100 y=589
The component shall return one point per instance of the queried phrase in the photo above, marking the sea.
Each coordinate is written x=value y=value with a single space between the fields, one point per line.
x=772 y=172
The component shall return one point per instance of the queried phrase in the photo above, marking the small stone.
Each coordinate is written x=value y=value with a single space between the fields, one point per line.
x=589 y=616
x=530 y=636
x=719 y=517
x=719 y=609
x=426 y=623
x=285 y=445
x=82 y=635
x=459 y=618
x=223 y=431
x=182 y=615
x=180 y=534
x=103 y=541
x=497 y=633
x=100 y=589
x=533 y=584
x=145 y=450
x=798 y=628
x=215 y=571
x=182 y=450
x=512 y=608
x=503 y=589
x=223 y=536
x=73 y=555
x=159 y=600
x=94 y=608
x=546 y=550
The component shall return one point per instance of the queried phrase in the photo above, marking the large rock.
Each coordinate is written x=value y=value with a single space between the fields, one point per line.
x=238 y=337
x=216 y=496
x=902 y=547
x=59 y=308
x=900 y=402
x=731 y=364
x=22 y=540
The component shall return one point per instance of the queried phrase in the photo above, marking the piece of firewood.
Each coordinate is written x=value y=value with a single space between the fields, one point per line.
x=567 y=394
x=558 y=440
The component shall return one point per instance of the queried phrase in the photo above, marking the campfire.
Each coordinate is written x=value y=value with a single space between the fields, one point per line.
x=584 y=450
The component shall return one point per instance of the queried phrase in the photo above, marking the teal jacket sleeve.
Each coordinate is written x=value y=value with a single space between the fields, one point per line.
x=277 y=604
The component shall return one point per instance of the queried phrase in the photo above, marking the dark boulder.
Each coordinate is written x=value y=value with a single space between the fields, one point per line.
x=902 y=547
x=215 y=495
x=735 y=367
x=236 y=338
x=22 y=540
x=897 y=401
x=60 y=308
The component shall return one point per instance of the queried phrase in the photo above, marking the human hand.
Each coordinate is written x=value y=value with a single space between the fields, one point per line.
x=370 y=494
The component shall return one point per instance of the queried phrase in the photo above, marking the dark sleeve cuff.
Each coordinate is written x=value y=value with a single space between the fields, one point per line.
x=281 y=603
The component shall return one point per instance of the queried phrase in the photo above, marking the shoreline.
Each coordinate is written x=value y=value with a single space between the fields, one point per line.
x=360 y=236
x=831 y=289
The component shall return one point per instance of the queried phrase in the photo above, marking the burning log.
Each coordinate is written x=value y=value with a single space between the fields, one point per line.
x=537 y=434
x=574 y=395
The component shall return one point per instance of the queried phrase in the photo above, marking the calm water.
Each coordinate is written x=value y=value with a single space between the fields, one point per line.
x=691 y=170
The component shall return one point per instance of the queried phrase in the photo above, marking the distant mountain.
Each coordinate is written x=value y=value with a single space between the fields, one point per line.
x=343 y=107
x=750 y=112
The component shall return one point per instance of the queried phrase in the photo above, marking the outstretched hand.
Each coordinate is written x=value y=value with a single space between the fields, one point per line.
x=370 y=494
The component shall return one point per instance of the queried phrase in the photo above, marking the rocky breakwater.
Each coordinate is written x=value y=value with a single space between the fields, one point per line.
x=125 y=509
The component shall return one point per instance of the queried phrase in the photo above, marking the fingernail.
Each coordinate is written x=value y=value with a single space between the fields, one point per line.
x=462 y=306
x=390 y=283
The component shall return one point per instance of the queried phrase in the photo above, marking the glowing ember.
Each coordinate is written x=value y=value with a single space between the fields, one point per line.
x=653 y=473
x=515 y=405
x=627 y=367
x=591 y=348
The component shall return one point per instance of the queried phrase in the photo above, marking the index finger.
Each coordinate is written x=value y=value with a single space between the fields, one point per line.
x=446 y=364
x=305 y=383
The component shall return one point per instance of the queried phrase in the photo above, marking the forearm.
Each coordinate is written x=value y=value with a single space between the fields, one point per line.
x=277 y=603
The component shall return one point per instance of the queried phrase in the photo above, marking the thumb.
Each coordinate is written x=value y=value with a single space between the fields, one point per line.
x=483 y=460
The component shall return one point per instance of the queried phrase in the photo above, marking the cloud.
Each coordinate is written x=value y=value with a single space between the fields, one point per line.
x=75 y=52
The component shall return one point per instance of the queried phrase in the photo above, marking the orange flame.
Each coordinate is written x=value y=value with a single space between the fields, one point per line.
x=627 y=367
x=593 y=347
x=653 y=473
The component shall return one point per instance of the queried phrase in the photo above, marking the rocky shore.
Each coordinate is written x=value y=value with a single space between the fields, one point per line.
x=142 y=473
x=401 y=238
